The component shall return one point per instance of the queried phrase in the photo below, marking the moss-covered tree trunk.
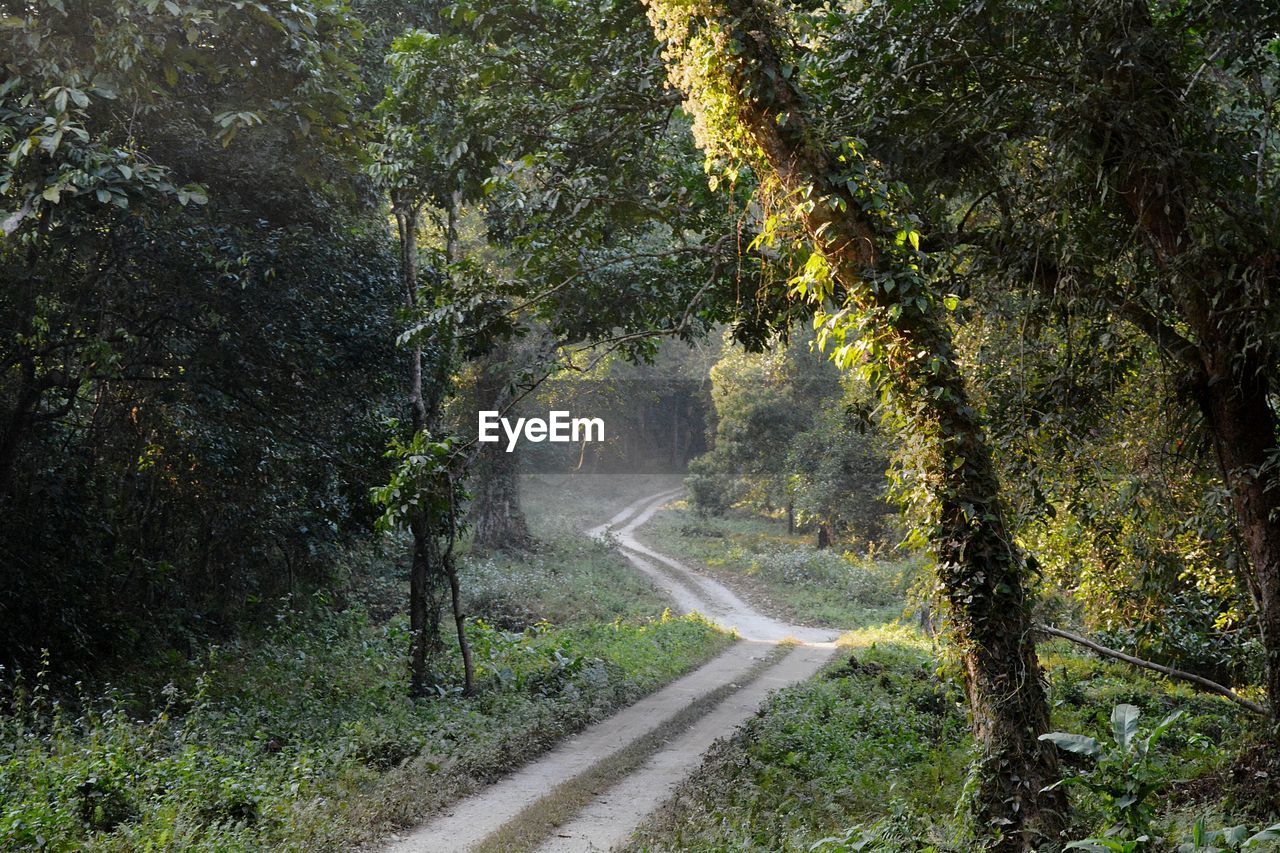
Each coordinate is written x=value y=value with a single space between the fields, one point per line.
x=724 y=55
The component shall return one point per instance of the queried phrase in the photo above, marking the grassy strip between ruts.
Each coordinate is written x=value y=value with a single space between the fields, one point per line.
x=537 y=820
x=308 y=741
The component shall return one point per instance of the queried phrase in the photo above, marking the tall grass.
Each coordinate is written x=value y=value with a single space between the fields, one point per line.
x=308 y=739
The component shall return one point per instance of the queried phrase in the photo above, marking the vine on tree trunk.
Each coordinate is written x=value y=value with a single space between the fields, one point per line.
x=862 y=270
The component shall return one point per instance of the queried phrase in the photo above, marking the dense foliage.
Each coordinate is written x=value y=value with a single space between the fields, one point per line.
x=308 y=739
x=788 y=436
x=1010 y=264
x=196 y=319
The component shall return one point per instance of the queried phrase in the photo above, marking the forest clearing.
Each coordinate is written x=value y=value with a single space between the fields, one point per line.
x=640 y=425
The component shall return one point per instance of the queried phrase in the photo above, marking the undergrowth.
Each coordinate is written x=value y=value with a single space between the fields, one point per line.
x=569 y=579
x=786 y=573
x=302 y=736
x=308 y=740
x=875 y=733
x=874 y=756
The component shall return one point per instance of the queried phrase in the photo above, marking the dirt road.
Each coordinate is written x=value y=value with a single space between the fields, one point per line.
x=592 y=791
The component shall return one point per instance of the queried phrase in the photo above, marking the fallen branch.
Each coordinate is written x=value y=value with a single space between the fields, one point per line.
x=1199 y=681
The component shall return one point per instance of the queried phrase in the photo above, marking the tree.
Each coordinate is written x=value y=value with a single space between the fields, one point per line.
x=725 y=57
x=787 y=435
x=759 y=409
x=435 y=150
x=495 y=513
x=838 y=475
x=177 y=199
x=465 y=135
x=1121 y=159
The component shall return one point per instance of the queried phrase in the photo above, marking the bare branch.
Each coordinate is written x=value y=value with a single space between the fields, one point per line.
x=1182 y=675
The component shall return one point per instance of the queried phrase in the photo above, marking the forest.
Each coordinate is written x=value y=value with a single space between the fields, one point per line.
x=936 y=347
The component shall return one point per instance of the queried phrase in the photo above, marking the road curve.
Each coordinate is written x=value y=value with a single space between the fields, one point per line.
x=732 y=685
x=693 y=591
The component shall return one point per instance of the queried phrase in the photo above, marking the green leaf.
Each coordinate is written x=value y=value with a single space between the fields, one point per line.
x=1160 y=730
x=1235 y=835
x=1124 y=725
x=192 y=194
x=1271 y=833
x=1079 y=744
x=1101 y=845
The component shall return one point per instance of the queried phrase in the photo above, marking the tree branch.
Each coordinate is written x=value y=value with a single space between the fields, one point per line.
x=1199 y=681
x=1164 y=336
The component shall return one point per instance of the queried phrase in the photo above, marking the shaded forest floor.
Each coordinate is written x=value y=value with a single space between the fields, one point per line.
x=874 y=754
x=300 y=736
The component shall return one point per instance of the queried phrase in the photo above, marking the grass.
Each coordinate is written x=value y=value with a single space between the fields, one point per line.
x=876 y=730
x=875 y=754
x=537 y=821
x=307 y=740
x=1200 y=749
x=302 y=737
x=784 y=574
x=568 y=578
x=556 y=504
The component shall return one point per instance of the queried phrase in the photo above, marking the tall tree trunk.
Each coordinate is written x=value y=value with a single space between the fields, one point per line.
x=979 y=568
x=1223 y=302
x=447 y=356
x=1243 y=426
x=677 y=411
x=1228 y=372
x=460 y=624
x=31 y=388
x=496 y=516
x=18 y=424
x=425 y=594
x=426 y=602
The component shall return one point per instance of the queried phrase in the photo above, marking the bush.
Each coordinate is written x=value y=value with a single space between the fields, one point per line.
x=298 y=740
x=878 y=733
x=864 y=582
x=708 y=486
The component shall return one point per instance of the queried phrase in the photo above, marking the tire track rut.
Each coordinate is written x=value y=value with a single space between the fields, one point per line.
x=738 y=680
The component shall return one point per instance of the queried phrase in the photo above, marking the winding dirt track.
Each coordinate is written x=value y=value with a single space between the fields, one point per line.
x=737 y=677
